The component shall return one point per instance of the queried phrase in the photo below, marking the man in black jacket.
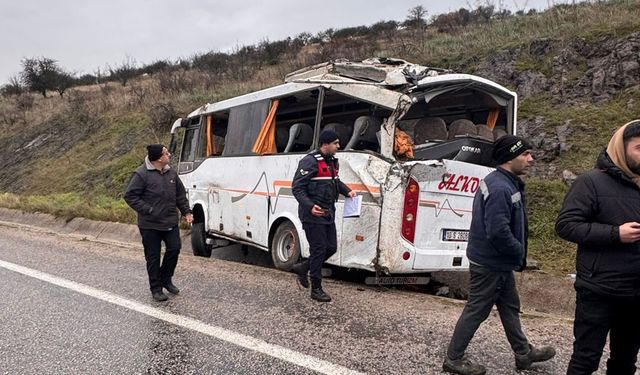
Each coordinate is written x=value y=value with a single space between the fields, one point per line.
x=154 y=192
x=601 y=213
x=316 y=186
x=497 y=247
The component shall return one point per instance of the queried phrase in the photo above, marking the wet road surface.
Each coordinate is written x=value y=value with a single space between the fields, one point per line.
x=71 y=306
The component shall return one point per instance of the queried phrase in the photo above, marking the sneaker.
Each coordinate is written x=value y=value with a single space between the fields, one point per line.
x=524 y=361
x=319 y=295
x=462 y=366
x=171 y=288
x=302 y=277
x=159 y=296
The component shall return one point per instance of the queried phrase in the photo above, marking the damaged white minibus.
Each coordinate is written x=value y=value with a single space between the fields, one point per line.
x=415 y=143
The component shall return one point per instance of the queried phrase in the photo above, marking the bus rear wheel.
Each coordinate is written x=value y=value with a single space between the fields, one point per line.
x=199 y=241
x=285 y=246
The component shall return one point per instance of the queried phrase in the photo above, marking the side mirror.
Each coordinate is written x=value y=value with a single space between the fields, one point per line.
x=174 y=141
x=173 y=144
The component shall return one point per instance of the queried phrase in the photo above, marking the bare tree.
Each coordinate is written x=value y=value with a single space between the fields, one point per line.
x=125 y=71
x=416 y=18
x=40 y=74
x=63 y=80
x=14 y=87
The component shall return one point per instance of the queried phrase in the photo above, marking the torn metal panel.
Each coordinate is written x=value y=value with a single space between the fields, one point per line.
x=358 y=236
x=367 y=171
x=387 y=130
x=373 y=94
x=385 y=71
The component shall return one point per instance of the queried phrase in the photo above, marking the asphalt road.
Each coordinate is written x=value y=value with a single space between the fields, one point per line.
x=74 y=307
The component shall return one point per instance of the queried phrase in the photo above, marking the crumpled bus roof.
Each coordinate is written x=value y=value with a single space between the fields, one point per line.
x=363 y=79
x=383 y=71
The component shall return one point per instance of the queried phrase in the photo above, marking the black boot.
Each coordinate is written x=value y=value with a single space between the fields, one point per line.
x=171 y=288
x=524 y=361
x=159 y=296
x=302 y=270
x=462 y=366
x=319 y=295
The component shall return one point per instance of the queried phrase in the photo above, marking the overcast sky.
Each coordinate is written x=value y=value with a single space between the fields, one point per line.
x=85 y=35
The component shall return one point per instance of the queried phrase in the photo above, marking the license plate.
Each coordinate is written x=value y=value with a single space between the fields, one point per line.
x=455 y=235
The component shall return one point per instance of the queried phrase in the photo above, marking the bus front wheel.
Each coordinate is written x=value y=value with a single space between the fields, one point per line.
x=199 y=241
x=285 y=246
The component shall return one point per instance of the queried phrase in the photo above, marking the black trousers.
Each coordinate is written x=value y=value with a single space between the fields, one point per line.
x=323 y=244
x=489 y=288
x=597 y=316
x=152 y=239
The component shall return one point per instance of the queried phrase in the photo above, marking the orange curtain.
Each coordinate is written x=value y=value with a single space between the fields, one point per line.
x=266 y=142
x=493 y=118
x=211 y=147
x=403 y=144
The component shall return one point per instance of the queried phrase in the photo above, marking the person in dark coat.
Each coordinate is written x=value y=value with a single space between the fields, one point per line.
x=601 y=214
x=316 y=186
x=154 y=192
x=497 y=246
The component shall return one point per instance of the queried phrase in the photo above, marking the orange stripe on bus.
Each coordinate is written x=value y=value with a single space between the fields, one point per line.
x=285 y=183
x=357 y=187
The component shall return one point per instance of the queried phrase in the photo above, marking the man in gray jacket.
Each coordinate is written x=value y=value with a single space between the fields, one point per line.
x=154 y=192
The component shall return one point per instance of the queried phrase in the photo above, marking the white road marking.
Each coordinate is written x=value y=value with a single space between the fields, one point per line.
x=219 y=333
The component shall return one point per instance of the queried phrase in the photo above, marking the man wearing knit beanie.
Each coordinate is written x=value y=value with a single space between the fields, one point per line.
x=316 y=186
x=154 y=192
x=497 y=246
x=508 y=148
x=154 y=152
x=601 y=214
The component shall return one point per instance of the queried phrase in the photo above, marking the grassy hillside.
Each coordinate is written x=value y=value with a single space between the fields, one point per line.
x=72 y=156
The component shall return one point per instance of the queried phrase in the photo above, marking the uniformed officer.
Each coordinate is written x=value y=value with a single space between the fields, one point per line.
x=316 y=186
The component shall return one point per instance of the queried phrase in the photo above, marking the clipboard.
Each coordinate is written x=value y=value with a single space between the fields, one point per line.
x=352 y=207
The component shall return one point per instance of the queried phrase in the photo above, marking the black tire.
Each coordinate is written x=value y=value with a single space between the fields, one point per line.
x=285 y=246
x=199 y=241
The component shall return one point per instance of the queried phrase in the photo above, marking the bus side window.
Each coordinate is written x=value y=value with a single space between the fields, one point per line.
x=357 y=122
x=244 y=125
x=212 y=139
x=295 y=119
x=190 y=144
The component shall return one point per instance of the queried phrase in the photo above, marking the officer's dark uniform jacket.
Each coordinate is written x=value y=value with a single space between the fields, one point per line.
x=598 y=202
x=154 y=195
x=499 y=228
x=317 y=182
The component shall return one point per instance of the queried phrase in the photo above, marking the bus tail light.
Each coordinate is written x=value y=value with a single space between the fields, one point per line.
x=410 y=209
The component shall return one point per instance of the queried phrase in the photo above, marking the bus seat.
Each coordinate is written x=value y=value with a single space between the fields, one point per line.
x=462 y=127
x=364 y=134
x=218 y=142
x=484 y=132
x=300 y=137
x=344 y=132
x=282 y=138
x=498 y=133
x=408 y=126
x=429 y=129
